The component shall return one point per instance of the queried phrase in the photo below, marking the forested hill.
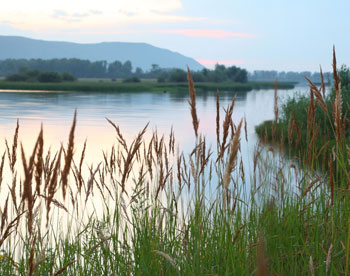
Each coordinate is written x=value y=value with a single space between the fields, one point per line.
x=140 y=54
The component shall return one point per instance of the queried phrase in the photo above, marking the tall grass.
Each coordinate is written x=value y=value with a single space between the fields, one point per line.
x=150 y=209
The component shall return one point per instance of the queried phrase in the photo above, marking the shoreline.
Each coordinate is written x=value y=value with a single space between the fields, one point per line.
x=90 y=86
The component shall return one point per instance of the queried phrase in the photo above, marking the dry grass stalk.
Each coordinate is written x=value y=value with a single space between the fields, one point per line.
x=39 y=165
x=168 y=258
x=337 y=107
x=329 y=256
x=120 y=137
x=64 y=268
x=226 y=126
x=172 y=141
x=9 y=229
x=331 y=178
x=2 y=168
x=80 y=177
x=4 y=215
x=255 y=164
x=319 y=97
x=310 y=115
x=218 y=117
x=295 y=124
x=128 y=161
x=68 y=156
x=275 y=97
x=245 y=129
x=237 y=234
x=12 y=155
x=49 y=167
x=312 y=267
x=323 y=86
x=262 y=260
x=31 y=270
x=27 y=194
x=192 y=102
x=13 y=192
x=290 y=130
x=235 y=144
x=53 y=183
x=205 y=158
x=309 y=187
x=91 y=181
x=282 y=142
x=56 y=203
x=310 y=154
x=335 y=72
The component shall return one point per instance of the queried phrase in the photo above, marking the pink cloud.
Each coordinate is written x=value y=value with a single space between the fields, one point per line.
x=221 y=34
x=212 y=62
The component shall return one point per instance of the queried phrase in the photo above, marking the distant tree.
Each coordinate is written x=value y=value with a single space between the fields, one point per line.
x=178 y=75
x=198 y=77
x=115 y=69
x=132 y=79
x=155 y=67
x=68 y=77
x=127 y=68
x=138 y=72
x=242 y=76
x=16 y=77
x=49 y=77
x=344 y=77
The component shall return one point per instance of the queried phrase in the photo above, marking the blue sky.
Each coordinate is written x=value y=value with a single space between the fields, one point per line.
x=254 y=34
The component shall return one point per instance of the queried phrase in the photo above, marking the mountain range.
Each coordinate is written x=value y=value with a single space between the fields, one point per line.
x=141 y=55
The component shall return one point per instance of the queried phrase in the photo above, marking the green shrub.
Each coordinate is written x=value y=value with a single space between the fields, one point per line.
x=132 y=80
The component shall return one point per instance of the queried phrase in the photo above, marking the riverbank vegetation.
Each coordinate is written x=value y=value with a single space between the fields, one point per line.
x=290 y=76
x=38 y=76
x=117 y=69
x=149 y=209
x=315 y=127
x=133 y=85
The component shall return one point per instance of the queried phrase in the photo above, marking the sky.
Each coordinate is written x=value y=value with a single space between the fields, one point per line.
x=284 y=35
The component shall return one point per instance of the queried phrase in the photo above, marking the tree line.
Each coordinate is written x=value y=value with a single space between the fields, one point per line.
x=117 y=69
x=264 y=75
x=38 y=76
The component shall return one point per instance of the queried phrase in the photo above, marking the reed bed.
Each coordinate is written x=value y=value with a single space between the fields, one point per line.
x=149 y=209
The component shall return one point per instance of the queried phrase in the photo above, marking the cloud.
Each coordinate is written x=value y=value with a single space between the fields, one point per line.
x=7 y=29
x=213 y=62
x=76 y=14
x=96 y=12
x=88 y=14
x=65 y=16
x=207 y=33
x=59 y=13
x=44 y=7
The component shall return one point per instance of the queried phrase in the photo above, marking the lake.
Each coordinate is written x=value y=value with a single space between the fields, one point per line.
x=131 y=111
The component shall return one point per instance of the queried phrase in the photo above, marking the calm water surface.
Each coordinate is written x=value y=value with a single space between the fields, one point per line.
x=131 y=111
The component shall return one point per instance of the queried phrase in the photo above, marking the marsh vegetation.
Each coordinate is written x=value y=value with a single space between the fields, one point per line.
x=147 y=208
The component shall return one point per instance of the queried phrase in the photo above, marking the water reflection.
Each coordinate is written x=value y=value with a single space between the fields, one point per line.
x=131 y=111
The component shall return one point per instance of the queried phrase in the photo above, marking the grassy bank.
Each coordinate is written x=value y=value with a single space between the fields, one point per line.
x=314 y=128
x=147 y=210
x=108 y=86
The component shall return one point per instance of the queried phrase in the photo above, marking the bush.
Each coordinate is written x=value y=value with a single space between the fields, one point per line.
x=68 y=77
x=50 y=77
x=178 y=75
x=16 y=77
x=132 y=79
x=37 y=76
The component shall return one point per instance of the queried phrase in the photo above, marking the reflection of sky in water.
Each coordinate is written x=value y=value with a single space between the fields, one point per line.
x=131 y=111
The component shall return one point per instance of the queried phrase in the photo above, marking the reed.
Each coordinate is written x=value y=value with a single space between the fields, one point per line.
x=148 y=209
